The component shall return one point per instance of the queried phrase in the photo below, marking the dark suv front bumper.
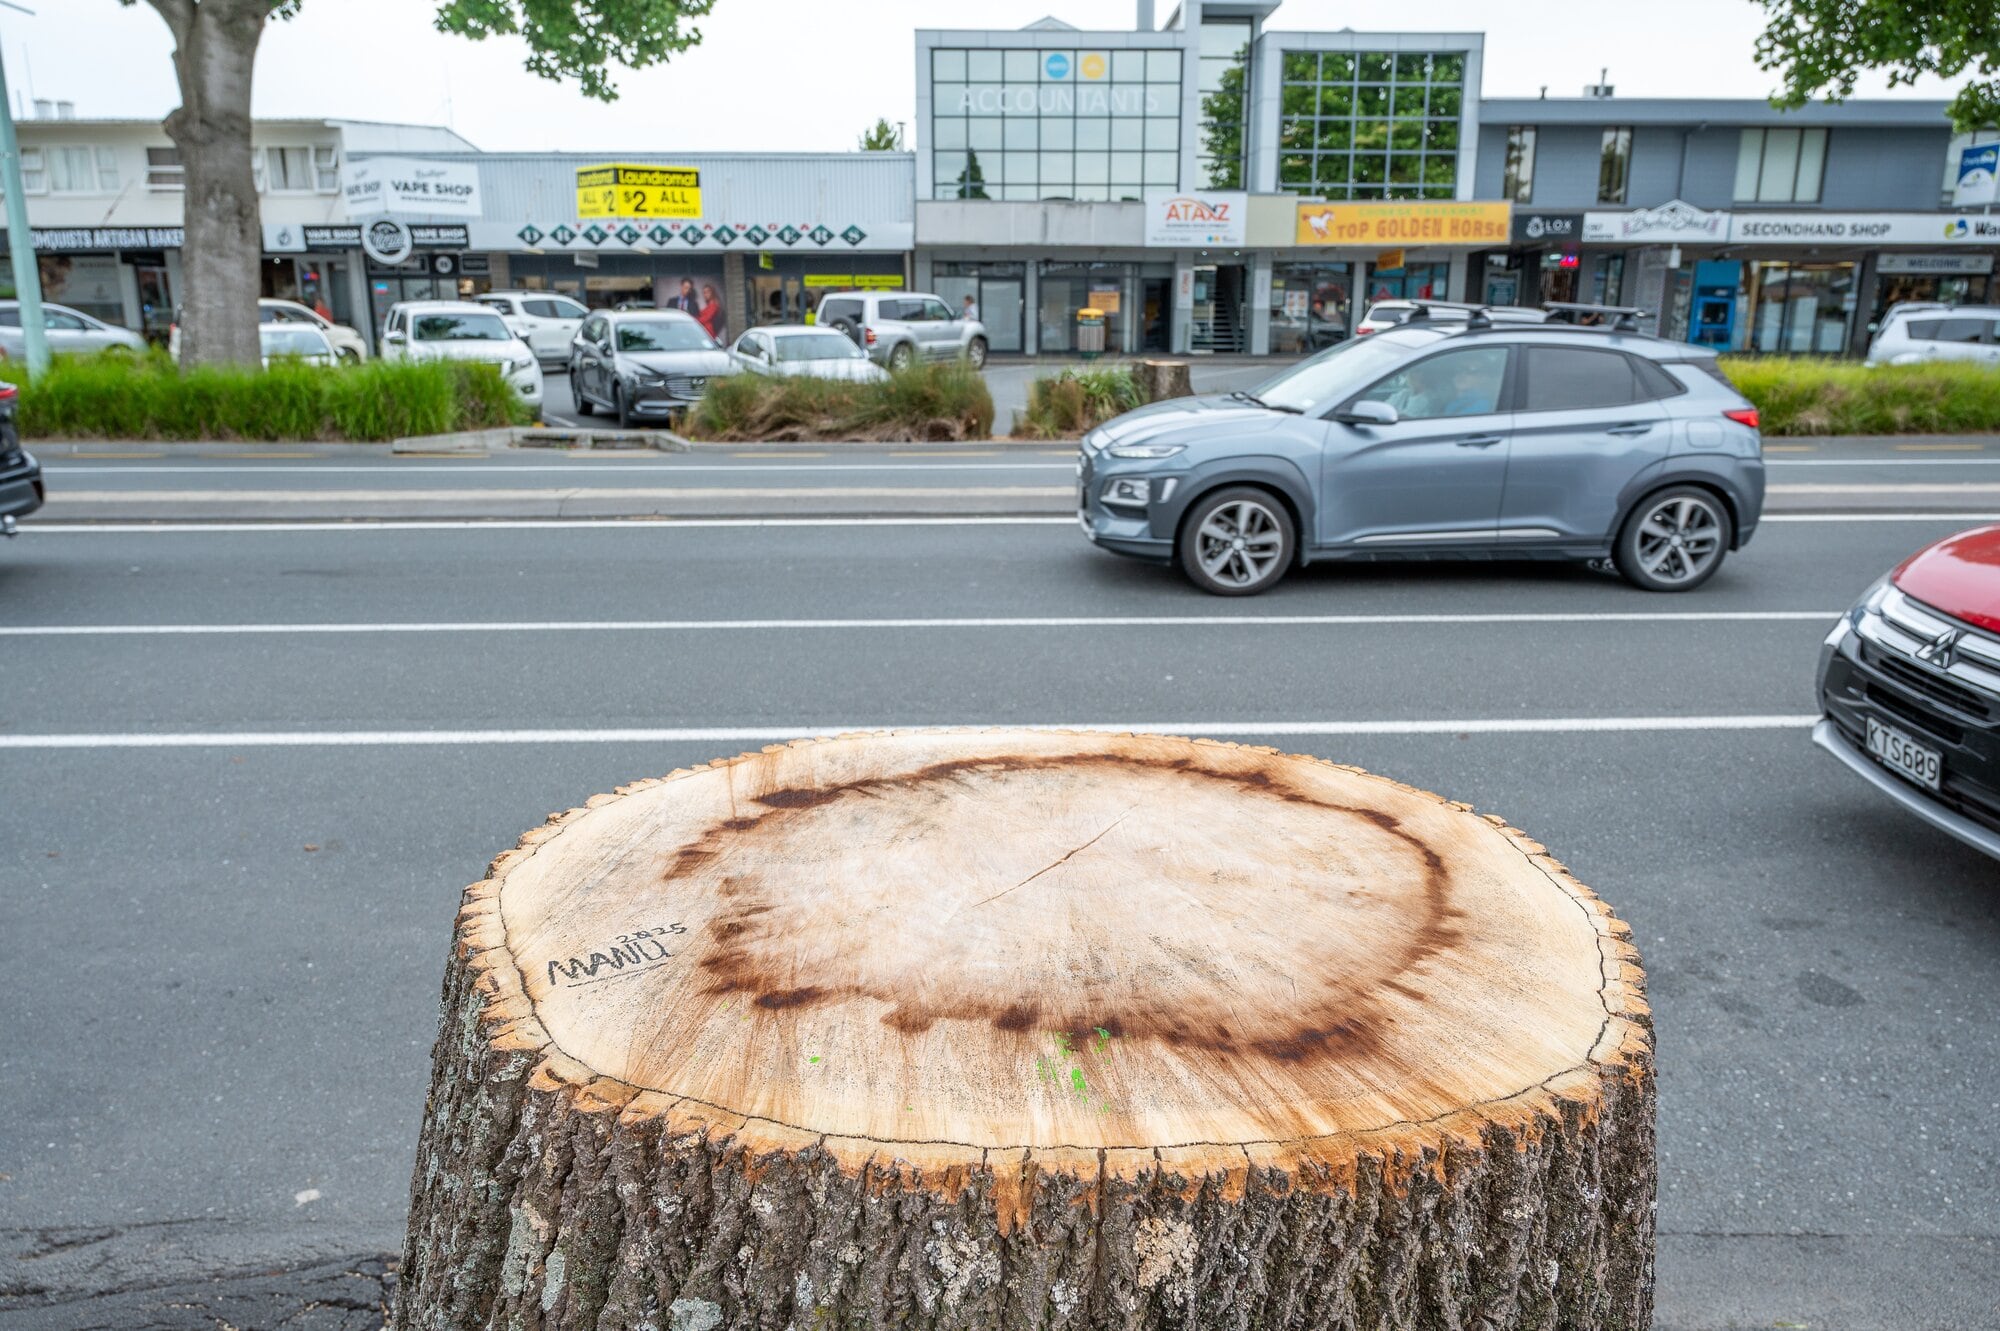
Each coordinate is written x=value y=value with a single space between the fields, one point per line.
x=1869 y=669
x=1124 y=529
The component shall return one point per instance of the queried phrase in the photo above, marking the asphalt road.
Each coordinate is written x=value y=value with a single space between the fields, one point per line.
x=92 y=482
x=224 y=933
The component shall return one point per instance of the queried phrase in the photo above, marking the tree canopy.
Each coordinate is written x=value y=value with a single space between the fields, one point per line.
x=1821 y=47
x=882 y=137
x=581 y=39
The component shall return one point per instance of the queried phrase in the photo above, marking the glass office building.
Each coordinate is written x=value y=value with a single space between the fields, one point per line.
x=1371 y=124
x=1053 y=123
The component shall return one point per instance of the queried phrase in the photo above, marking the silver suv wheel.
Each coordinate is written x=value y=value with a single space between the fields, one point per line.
x=1674 y=541
x=1237 y=543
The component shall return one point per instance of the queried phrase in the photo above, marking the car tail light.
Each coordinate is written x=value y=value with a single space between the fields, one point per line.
x=869 y=334
x=1363 y=332
x=8 y=392
x=1743 y=416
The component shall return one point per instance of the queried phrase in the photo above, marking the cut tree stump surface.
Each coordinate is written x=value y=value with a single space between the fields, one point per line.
x=1008 y=971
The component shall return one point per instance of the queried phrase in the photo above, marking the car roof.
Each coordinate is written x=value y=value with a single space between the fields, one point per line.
x=649 y=315
x=1909 y=308
x=797 y=328
x=445 y=306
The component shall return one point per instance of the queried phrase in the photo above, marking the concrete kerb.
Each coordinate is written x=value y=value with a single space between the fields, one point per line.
x=541 y=436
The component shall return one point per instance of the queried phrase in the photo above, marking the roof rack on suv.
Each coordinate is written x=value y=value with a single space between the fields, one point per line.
x=1622 y=318
x=1476 y=316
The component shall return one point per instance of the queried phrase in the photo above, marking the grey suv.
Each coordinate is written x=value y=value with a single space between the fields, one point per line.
x=900 y=328
x=1434 y=439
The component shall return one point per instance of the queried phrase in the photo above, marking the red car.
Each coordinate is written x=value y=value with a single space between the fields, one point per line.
x=1909 y=685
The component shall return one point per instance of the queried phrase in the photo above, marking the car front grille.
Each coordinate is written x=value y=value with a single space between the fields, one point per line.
x=687 y=385
x=1929 y=683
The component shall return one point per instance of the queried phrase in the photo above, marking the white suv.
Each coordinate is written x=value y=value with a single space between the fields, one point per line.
x=420 y=330
x=1916 y=332
x=546 y=321
x=900 y=328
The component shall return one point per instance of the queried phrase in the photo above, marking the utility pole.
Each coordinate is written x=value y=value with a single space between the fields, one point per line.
x=21 y=242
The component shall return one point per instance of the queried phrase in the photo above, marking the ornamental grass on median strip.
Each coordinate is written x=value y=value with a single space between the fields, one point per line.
x=149 y=397
x=1067 y=405
x=923 y=404
x=1797 y=396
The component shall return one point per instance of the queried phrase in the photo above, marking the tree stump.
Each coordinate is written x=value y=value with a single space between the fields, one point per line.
x=1163 y=379
x=1033 y=1030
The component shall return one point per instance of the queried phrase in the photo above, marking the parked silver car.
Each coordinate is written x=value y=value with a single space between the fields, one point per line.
x=69 y=331
x=546 y=320
x=796 y=351
x=900 y=328
x=1915 y=332
x=1448 y=439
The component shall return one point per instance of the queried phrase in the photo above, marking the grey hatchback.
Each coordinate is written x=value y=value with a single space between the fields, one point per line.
x=1435 y=439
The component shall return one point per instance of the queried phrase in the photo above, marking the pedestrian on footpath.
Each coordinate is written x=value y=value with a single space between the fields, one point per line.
x=969 y=311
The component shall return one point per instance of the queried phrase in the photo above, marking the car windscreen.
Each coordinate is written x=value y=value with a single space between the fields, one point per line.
x=1339 y=372
x=292 y=340
x=793 y=347
x=662 y=335
x=468 y=327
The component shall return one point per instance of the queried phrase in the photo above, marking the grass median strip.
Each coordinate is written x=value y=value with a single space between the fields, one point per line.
x=778 y=734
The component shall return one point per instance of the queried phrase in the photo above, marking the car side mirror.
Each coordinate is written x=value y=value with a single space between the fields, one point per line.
x=394 y=339
x=1367 y=412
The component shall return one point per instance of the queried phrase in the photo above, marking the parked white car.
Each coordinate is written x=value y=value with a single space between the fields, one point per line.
x=420 y=330
x=347 y=343
x=302 y=342
x=69 y=331
x=547 y=322
x=1921 y=331
x=803 y=351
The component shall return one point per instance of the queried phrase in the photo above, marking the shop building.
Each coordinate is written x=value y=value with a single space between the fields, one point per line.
x=104 y=203
x=1157 y=174
x=762 y=235
x=1744 y=227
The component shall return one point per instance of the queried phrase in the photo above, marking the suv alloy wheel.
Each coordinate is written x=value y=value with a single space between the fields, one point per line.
x=902 y=356
x=583 y=404
x=1236 y=542
x=975 y=353
x=1674 y=541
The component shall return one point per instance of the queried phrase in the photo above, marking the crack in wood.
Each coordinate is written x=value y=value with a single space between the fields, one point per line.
x=1058 y=863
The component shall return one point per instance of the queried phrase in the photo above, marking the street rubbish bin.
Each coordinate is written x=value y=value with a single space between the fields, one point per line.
x=1090 y=333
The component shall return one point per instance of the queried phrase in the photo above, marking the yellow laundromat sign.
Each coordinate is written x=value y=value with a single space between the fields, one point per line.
x=619 y=189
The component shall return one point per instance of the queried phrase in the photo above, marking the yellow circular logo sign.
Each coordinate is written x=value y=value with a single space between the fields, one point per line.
x=1093 y=66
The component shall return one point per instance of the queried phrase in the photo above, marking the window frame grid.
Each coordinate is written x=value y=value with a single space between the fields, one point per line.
x=1371 y=172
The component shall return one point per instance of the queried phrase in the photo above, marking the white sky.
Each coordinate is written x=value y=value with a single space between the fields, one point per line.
x=808 y=74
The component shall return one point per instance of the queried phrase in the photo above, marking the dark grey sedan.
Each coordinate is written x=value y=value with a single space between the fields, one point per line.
x=1441 y=440
x=643 y=365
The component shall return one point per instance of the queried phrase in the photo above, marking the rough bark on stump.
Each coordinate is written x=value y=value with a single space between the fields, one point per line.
x=1163 y=379
x=1029 y=1030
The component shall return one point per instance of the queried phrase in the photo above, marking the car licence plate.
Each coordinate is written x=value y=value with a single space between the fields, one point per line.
x=1904 y=755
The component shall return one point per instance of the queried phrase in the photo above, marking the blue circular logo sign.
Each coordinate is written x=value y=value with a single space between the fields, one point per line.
x=1057 y=65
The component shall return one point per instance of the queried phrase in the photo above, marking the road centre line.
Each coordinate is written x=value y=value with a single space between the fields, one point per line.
x=668 y=467
x=992 y=622
x=658 y=524
x=779 y=734
x=564 y=492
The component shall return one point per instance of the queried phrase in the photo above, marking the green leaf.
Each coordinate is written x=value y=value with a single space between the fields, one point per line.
x=1820 y=48
x=578 y=40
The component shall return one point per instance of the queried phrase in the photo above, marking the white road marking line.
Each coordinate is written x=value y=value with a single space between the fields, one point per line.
x=1864 y=517
x=658 y=524
x=777 y=734
x=509 y=468
x=542 y=524
x=1856 y=462
x=1897 y=488
x=1004 y=622
x=565 y=493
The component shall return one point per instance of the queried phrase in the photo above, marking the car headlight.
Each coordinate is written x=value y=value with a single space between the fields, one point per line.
x=521 y=365
x=643 y=376
x=1127 y=492
x=1145 y=450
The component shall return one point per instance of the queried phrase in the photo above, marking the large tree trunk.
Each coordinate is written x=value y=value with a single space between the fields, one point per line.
x=1013 y=1030
x=215 y=53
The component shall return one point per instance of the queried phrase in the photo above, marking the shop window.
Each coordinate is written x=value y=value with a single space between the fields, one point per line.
x=1517 y=183
x=1780 y=165
x=164 y=170
x=1311 y=307
x=1385 y=125
x=1801 y=308
x=289 y=170
x=1614 y=165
